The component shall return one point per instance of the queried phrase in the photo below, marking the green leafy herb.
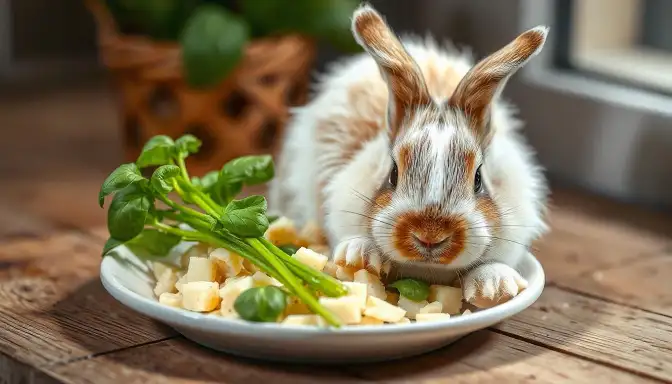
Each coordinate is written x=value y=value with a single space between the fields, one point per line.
x=212 y=45
x=289 y=249
x=152 y=243
x=128 y=212
x=261 y=304
x=162 y=177
x=412 y=289
x=246 y=217
x=111 y=244
x=188 y=144
x=211 y=216
x=119 y=179
x=158 y=151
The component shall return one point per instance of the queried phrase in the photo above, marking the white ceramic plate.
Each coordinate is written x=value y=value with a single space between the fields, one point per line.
x=130 y=282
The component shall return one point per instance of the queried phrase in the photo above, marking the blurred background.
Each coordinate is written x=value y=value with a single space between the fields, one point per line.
x=78 y=96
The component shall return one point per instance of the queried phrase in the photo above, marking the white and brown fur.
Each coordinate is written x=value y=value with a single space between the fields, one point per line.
x=438 y=117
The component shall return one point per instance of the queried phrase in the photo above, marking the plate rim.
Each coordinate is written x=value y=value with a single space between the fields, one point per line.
x=178 y=317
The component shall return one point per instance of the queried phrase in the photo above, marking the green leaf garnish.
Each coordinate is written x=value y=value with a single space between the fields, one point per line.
x=111 y=244
x=289 y=249
x=159 y=150
x=412 y=289
x=128 y=212
x=261 y=304
x=187 y=144
x=119 y=179
x=248 y=170
x=212 y=42
x=152 y=243
x=246 y=217
x=162 y=176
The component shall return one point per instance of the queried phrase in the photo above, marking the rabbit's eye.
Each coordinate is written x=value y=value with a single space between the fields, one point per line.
x=394 y=174
x=478 y=183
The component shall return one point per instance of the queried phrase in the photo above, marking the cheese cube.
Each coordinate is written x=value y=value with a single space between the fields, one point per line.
x=166 y=282
x=319 y=248
x=449 y=297
x=311 y=233
x=382 y=310
x=311 y=258
x=345 y=273
x=200 y=296
x=466 y=312
x=366 y=320
x=358 y=290
x=411 y=307
x=306 y=320
x=171 y=299
x=180 y=282
x=158 y=268
x=282 y=232
x=228 y=263
x=261 y=280
x=374 y=286
x=346 y=308
x=392 y=298
x=433 y=307
x=425 y=317
x=330 y=269
x=248 y=267
x=198 y=250
x=297 y=307
x=231 y=289
x=404 y=320
x=201 y=269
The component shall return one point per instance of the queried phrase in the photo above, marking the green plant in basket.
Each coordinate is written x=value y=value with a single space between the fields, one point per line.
x=213 y=33
x=151 y=223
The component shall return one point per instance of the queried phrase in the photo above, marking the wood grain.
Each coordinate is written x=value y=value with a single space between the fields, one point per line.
x=598 y=331
x=53 y=308
x=180 y=361
x=488 y=357
x=645 y=284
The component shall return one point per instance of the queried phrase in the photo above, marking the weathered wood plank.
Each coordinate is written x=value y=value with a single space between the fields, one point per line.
x=579 y=243
x=53 y=307
x=613 y=334
x=18 y=223
x=488 y=357
x=181 y=361
x=645 y=284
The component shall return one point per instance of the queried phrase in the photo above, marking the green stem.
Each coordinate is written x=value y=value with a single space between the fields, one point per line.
x=183 y=168
x=298 y=289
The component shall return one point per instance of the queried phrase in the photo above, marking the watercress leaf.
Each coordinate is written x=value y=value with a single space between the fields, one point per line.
x=152 y=243
x=246 y=217
x=159 y=150
x=261 y=304
x=119 y=179
x=111 y=244
x=207 y=181
x=128 y=211
x=188 y=144
x=162 y=176
x=412 y=289
x=213 y=41
x=249 y=170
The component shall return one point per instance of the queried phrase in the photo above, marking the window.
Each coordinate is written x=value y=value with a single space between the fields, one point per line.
x=628 y=41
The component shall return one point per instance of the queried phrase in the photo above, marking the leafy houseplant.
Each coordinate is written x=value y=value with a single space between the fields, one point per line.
x=213 y=33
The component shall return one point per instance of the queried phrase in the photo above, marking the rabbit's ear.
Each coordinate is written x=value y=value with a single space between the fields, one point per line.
x=406 y=85
x=485 y=81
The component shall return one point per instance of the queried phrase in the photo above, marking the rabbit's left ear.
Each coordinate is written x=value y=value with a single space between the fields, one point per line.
x=485 y=81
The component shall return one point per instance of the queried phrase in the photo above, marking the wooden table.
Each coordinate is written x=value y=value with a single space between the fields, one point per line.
x=604 y=317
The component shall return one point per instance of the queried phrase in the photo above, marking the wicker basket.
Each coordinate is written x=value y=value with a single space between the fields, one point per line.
x=245 y=114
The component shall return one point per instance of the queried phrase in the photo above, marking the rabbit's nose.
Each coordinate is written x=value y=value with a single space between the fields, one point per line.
x=430 y=241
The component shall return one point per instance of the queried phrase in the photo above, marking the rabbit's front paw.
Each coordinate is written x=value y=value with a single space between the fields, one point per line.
x=490 y=284
x=360 y=254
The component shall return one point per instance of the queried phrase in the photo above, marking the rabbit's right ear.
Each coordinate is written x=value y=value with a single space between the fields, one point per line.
x=404 y=80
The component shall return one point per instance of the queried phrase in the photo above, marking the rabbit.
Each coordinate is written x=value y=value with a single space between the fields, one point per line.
x=406 y=155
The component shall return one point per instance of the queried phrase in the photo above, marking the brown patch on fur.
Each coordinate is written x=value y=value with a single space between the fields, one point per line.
x=476 y=91
x=406 y=84
x=469 y=163
x=490 y=212
x=432 y=226
x=404 y=159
